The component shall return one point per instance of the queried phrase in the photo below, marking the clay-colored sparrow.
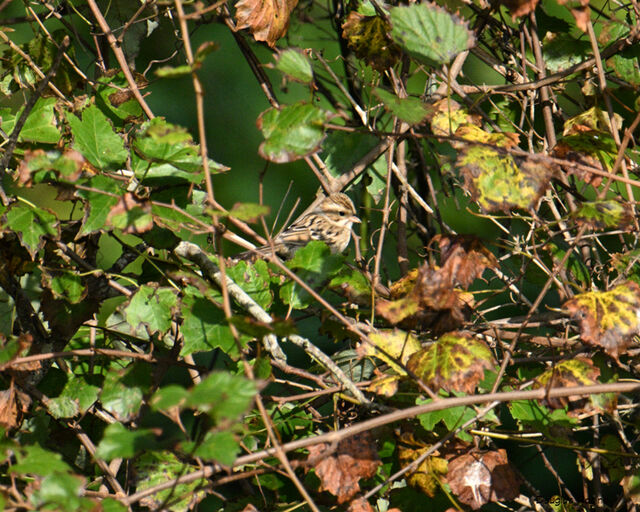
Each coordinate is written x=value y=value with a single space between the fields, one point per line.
x=330 y=221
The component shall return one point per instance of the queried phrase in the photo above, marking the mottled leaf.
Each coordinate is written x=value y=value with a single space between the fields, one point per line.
x=500 y=183
x=578 y=371
x=608 y=319
x=456 y=362
x=604 y=214
x=368 y=37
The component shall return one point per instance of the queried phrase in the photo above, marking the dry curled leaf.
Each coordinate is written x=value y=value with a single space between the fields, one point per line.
x=355 y=457
x=268 y=20
x=608 y=319
x=520 y=8
x=368 y=36
x=480 y=478
x=10 y=411
x=435 y=299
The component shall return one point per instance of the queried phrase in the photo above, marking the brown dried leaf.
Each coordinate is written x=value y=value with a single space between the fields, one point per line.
x=355 y=457
x=10 y=412
x=478 y=478
x=268 y=20
x=463 y=258
x=360 y=505
x=520 y=8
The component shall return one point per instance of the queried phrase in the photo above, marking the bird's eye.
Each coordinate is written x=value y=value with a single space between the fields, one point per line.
x=342 y=214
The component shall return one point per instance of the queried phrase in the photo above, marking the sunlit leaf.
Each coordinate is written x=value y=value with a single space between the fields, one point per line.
x=608 y=320
x=390 y=346
x=268 y=20
x=497 y=182
x=295 y=64
x=456 y=362
x=153 y=307
x=94 y=137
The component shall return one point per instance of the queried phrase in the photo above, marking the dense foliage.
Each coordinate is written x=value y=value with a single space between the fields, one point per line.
x=475 y=348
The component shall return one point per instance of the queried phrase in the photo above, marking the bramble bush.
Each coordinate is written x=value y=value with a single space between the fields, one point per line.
x=475 y=348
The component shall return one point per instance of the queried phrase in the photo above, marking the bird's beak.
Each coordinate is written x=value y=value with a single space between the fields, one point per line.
x=355 y=219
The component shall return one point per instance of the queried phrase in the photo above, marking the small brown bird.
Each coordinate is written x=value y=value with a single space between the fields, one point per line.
x=330 y=222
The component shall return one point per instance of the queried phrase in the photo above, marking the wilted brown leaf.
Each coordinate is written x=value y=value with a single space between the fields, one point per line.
x=356 y=457
x=520 y=8
x=435 y=300
x=608 y=319
x=10 y=412
x=360 y=505
x=463 y=258
x=479 y=478
x=268 y=20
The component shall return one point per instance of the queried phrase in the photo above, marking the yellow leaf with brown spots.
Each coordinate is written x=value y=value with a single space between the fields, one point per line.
x=608 y=319
x=456 y=362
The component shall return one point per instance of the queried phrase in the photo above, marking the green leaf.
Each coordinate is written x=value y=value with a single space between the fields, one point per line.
x=62 y=407
x=95 y=139
x=67 y=286
x=120 y=396
x=64 y=490
x=249 y=212
x=164 y=150
x=452 y=417
x=223 y=395
x=221 y=447
x=291 y=132
x=254 y=279
x=204 y=326
x=100 y=201
x=315 y=265
x=118 y=441
x=168 y=396
x=156 y=468
x=82 y=391
x=153 y=307
x=174 y=71
x=341 y=151
x=31 y=224
x=40 y=125
x=295 y=64
x=410 y=110
x=429 y=33
x=117 y=97
x=35 y=460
